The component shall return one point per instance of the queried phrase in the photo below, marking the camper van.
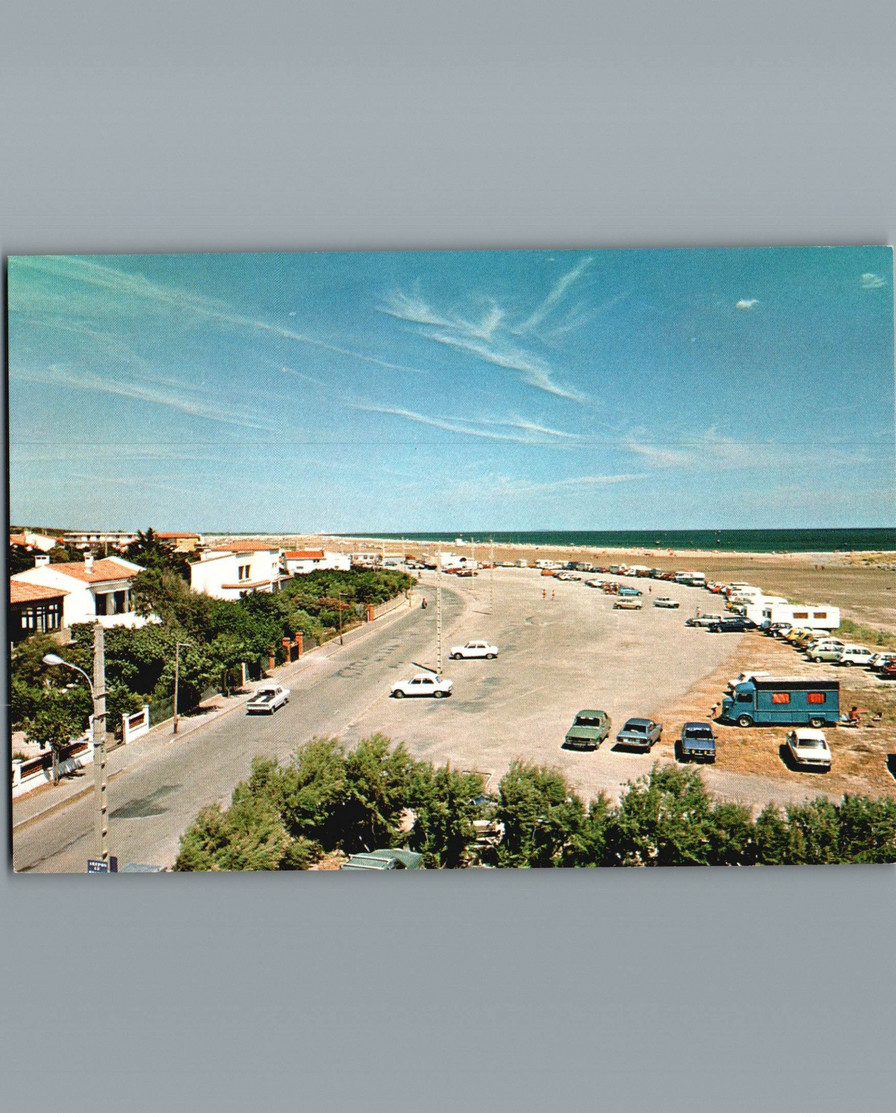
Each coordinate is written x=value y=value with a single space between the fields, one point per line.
x=775 y=700
x=825 y=617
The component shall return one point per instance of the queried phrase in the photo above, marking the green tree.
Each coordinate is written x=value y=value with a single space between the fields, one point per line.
x=55 y=723
x=542 y=817
x=867 y=829
x=442 y=800
x=20 y=559
x=377 y=790
x=149 y=551
x=808 y=833
x=590 y=844
x=313 y=790
x=249 y=836
x=664 y=818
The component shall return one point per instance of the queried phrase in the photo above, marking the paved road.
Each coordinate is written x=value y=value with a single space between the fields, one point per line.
x=563 y=648
x=153 y=799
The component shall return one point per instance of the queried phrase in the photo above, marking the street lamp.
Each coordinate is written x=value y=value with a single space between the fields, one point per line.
x=178 y=644
x=98 y=693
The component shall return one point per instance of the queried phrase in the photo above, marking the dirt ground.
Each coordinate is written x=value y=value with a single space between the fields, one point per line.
x=864 y=758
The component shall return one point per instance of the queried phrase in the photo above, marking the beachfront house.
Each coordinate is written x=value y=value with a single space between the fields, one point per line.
x=305 y=562
x=33 y=609
x=92 y=590
x=237 y=569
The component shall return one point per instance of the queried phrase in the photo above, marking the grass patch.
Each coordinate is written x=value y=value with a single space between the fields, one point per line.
x=864 y=634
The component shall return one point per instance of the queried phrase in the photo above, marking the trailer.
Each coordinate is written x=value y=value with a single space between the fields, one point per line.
x=825 y=617
x=776 y=700
x=690 y=577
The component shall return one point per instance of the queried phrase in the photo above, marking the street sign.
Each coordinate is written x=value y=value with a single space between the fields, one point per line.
x=97 y=867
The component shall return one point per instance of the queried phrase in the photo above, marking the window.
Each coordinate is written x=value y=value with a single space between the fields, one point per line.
x=816 y=698
x=781 y=698
x=244 y=573
x=800 y=616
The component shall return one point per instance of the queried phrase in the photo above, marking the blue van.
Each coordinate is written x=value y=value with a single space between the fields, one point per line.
x=783 y=701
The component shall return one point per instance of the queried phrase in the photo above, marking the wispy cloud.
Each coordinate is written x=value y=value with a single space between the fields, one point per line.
x=745 y=304
x=532 y=433
x=489 y=335
x=535 y=372
x=662 y=456
x=567 y=484
x=137 y=288
x=554 y=296
x=870 y=282
x=179 y=398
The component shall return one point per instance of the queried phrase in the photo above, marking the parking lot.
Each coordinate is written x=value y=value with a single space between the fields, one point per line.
x=564 y=648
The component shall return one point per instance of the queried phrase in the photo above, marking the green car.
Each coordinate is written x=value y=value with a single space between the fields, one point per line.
x=588 y=730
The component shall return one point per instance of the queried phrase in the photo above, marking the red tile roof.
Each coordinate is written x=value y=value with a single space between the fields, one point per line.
x=20 y=593
x=104 y=570
x=304 y=554
x=177 y=535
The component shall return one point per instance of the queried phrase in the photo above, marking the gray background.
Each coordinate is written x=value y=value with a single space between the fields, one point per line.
x=289 y=125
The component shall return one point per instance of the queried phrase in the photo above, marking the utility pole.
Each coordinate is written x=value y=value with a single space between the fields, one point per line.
x=491 y=575
x=439 y=616
x=99 y=741
x=339 y=607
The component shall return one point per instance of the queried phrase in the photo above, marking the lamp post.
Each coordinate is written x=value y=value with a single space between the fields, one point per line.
x=178 y=644
x=98 y=693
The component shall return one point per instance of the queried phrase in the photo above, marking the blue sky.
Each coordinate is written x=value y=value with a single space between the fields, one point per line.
x=482 y=391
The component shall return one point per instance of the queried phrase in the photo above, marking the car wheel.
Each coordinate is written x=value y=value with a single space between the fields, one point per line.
x=745 y=721
x=454 y=655
x=438 y=694
x=817 y=659
x=491 y=655
x=846 y=663
x=398 y=694
x=816 y=723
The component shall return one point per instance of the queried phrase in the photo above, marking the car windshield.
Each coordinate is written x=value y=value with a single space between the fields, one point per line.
x=810 y=743
x=587 y=721
x=703 y=734
x=637 y=726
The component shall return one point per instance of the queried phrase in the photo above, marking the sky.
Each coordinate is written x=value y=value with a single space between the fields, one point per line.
x=462 y=391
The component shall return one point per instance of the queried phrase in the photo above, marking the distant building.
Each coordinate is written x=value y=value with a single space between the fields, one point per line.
x=182 y=541
x=92 y=590
x=117 y=540
x=304 y=562
x=236 y=570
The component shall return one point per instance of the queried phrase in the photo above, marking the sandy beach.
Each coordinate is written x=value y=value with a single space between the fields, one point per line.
x=861 y=584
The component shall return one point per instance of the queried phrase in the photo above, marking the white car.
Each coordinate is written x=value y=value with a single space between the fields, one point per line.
x=809 y=748
x=268 y=699
x=425 y=685
x=475 y=649
x=665 y=603
x=854 y=655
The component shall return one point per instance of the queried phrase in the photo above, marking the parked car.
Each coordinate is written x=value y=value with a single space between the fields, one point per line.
x=732 y=624
x=819 y=646
x=809 y=747
x=639 y=733
x=475 y=649
x=697 y=742
x=589 y=728
x=665 y=603
x=566 y=576
x=385 y=859
x=823 y=654
x=627 y=603
x=705 y=620
x=425 y=685
x=595 y=584
x=268 y=699
x=855 y=655
x=881 y=660
x=629 y=591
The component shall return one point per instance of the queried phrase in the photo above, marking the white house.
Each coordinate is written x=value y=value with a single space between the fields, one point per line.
x=236 y=570
x=94 y=590
x=304 y=562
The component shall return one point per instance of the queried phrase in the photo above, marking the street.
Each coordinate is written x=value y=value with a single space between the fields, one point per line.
x=562 y=648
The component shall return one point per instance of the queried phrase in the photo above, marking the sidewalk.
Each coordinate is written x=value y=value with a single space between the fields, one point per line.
x=43 y=800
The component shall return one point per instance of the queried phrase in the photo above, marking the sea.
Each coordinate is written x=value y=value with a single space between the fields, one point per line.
x=757 y=540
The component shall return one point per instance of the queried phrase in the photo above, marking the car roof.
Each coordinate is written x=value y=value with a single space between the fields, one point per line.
x=697 y=725
x=591 y=714
x=639 y=721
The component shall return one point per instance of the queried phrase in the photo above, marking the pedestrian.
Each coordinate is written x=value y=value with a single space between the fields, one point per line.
x=714 y=712
x=423 y=603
